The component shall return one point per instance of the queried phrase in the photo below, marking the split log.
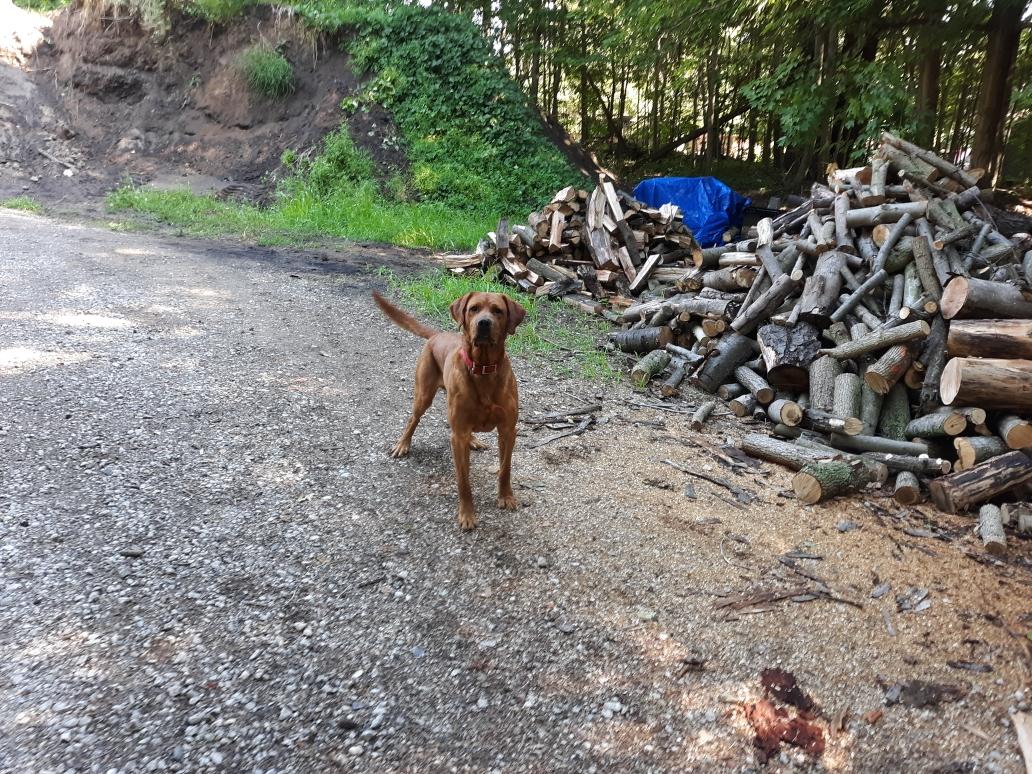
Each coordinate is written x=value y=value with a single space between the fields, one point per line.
x=821 y=291
x=846 y=400
x=971 y=451
x=642 y=339
x=823 y=480
x=990 y=529
x=990 y=338
x=549 y=272
x=970 y=297
x=823 y=373
x=643 y=275
x=1015 y=431
x=825 y=422
x=755 y=384
x=987 y=382
x=941 y=425
x=787 y=353
x=731 y=351
x=907 y=490
x=781 y=452
x=786 y=412
x=880 y=339
x=650 y=365
x=889 y=369
x=968 y=488
x=702 y=414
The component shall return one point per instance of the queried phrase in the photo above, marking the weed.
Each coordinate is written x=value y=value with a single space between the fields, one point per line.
x=565 y=337
x=24 y=203
x=267 y=71
x=216 y=11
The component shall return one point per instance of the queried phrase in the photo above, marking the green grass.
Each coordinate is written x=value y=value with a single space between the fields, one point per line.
x=568 y=339
x=357 y=213
x=267 y=71
x=24 y=203
x=41 y=6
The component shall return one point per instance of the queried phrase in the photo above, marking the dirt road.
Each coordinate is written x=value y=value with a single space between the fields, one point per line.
x=208 y=561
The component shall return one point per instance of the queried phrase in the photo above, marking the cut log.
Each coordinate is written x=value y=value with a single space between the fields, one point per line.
x=642 y=339
x=846 y=400
x=892 y=238
x=843 y=237
x=880 y=339
x=723 y=308
x=730 y=391
x=872 y=443
x=671 y=386
x=821 y=292
x=650 y=365
x=755 y=384
x=921 y=466
x=990 y=338
x=731 y=351
x=825 y=422
x=786 y=412
x=884 y=213
x=933 y=360
x=968 y=488
x=926 y=267
x=1015 y=431
x=970 y=297
x=990 y=529
x=743 y=405
x=690 y=356
x=990 y=383
x=820 y=481
x=854 y=298
x=870 y=408
x=948 y=169
x=781 y=452
x=971 y=451
x=907 y=490
x=730 y=278
x=940 y=425
x=822 y=383
x=787 y=353
x=889 y=369
x=767 y=302
x=702 y=414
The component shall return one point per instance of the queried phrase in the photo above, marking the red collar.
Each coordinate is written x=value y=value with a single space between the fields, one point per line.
x=476 y=370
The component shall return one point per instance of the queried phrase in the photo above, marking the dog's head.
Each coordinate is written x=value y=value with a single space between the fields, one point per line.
x=487 y=318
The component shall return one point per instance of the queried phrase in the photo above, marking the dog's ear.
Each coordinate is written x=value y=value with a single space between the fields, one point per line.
x=516 y=314
x=458 y=309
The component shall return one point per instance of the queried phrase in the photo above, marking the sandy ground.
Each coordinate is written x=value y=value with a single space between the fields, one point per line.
x=208 y=561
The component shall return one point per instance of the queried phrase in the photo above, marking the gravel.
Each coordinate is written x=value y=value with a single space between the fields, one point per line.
x=208 y=562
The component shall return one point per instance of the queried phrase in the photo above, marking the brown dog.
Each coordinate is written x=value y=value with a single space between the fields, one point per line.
x=474 y=370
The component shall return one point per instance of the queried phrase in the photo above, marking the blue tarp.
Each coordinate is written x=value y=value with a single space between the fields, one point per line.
x=708 y=205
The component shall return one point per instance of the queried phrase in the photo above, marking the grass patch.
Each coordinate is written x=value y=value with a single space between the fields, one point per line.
x=216 y=11
x=302 y=215
x=41 y=6
x=567 y=337
x=267 y=71
x=24 y=203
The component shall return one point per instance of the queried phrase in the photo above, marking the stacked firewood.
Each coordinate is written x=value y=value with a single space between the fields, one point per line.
x=585 y=247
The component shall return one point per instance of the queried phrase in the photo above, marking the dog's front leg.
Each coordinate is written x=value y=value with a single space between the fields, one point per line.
x=460 y=452
x=506 y=442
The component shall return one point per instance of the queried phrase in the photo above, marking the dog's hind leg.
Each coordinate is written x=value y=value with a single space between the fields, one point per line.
x=428 y=382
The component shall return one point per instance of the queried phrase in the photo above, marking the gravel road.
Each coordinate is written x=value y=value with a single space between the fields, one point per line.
x=208 y=561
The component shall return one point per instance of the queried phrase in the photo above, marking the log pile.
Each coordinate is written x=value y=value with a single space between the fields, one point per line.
x=882 y=328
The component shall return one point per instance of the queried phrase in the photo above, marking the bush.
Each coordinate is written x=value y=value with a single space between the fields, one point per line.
x=340 y=164
x=268 y=72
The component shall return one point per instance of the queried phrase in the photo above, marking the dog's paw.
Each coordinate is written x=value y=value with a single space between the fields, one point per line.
x=467 y=521
x=401 y=449
x=508 y=502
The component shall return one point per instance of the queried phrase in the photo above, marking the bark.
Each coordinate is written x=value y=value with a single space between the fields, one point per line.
x=822 y=383
x=873 y=443
x=971 y=451
x=823 y=480
x=922 y=466
x=907 y=489
x=846 y=401
x=889 y=369
x=650 y=365
x=781 y=452
x=822 y=290
x=990 y=529
x=989 y=383
x=882 y=339
x=969 y=297
x=787 y=353
x=642 y=339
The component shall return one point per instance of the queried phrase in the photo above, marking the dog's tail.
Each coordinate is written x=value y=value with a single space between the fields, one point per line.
x=403 y=319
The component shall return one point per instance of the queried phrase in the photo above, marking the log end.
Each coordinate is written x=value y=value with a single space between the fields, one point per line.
x=806 y=487
x=852 y=426
x=877 y=382
x=955 y=424
x=953 y=297
x=950 y=381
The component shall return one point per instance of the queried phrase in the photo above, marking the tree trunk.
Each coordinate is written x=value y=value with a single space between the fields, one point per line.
x=994 y=97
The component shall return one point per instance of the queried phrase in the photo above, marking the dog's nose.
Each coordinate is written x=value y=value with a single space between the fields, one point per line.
x=483 y=324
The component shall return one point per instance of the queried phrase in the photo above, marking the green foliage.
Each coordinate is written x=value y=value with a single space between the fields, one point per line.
x=41 y=6
x=24 y=203
x=267 y=71
x=340 y=165
x=568 y=338
x=217 y=11
x=356 y=212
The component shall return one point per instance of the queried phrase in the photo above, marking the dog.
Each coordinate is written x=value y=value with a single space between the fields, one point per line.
x=473 y=369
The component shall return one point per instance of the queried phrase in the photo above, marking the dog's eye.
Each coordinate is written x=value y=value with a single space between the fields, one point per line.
x=496 y=311
x=474 y=308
